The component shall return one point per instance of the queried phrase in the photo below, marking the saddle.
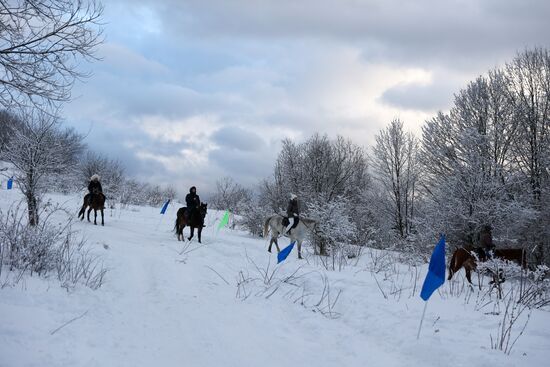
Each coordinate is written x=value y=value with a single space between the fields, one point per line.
x=286 y=222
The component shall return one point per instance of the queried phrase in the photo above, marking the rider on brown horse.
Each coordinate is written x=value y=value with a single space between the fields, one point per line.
x=193 y=201
x=95 y=200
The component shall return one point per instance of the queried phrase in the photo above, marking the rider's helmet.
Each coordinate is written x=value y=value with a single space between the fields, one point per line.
x=293 y=197
x=95 y=177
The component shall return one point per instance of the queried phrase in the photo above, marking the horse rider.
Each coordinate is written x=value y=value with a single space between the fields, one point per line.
x=486 y=241
x=293 y=212
x=94 y=187
x=193 y=201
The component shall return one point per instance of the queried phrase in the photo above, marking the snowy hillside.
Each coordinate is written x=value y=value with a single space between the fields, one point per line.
x=226 y=303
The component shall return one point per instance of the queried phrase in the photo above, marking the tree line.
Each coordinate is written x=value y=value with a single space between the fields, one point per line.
x=484 y=162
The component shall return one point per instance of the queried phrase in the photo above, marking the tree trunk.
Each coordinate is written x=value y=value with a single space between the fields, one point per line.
x=32 y=205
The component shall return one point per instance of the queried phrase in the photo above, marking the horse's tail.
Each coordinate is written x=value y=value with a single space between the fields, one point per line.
x=266 y=226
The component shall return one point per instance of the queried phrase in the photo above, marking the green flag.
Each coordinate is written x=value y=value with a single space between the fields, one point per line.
x=224 y=221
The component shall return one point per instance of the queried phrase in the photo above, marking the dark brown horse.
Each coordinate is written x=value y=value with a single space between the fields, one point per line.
x=95 y=201
x=193 y=220
x=464 y=257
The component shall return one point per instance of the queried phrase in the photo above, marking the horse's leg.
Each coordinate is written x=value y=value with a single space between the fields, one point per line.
x=468 y=275
x=102 y=220
x=451 y=266
x=180 y=234
x=192 y=233
x=89 y=211
x=199 y=231
x=451 y=273
x=270 y=244
x=299 y=244
x=95 y=217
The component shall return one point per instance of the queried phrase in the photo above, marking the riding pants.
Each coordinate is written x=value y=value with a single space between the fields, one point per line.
x=291 y=221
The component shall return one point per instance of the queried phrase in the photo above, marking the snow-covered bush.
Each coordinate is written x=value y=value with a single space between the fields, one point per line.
x=336 y=232
x=252 y=217
x=46 y=248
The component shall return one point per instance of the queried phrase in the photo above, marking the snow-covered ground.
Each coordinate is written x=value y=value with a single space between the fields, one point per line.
x=165 y=303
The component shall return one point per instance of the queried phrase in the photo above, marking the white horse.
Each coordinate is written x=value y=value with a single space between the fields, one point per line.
x=298 y=234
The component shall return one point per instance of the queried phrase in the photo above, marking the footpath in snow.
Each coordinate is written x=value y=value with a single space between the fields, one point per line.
x=166 y=303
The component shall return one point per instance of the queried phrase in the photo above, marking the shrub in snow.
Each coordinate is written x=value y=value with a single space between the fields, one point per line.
x=50 y=247
x=336 y=232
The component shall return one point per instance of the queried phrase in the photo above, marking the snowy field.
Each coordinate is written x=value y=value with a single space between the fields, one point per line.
x=226 y=303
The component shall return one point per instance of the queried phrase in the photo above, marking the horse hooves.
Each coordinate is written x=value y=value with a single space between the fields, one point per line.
x=268 y=250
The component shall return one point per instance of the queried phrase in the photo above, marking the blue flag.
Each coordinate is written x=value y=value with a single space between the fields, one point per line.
x=10 y=183
x=165 y=206
x=436 y=271
x=281 y=256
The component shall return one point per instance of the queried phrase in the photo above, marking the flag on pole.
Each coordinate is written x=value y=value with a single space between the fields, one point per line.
x=281 y=256
x=10 y=183
x=224 y=220
x=165 y=206
x=436 y=271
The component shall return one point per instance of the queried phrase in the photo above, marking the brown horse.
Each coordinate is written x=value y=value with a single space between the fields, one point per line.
x=194 y=220
x=95 y=201
x=464 y=257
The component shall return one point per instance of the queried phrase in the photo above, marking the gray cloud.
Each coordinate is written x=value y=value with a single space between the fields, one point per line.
x=431 y=97
x=234 y=137
x=419 y=30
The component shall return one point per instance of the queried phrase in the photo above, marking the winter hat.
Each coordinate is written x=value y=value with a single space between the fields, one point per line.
x=95 y=177
x=192 y=188
x=293 y=196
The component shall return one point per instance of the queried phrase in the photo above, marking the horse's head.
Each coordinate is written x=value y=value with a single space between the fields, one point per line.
x=203 y=209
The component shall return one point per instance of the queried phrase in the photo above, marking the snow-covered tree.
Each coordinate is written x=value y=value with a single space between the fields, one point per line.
x=38 y=149
x=528 y=76
x=8 y=124
x=230 y=195
x=40 y=44
x=396 y=168
x=469 y=164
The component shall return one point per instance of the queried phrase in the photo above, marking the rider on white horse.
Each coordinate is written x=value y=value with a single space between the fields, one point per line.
x=292 y=211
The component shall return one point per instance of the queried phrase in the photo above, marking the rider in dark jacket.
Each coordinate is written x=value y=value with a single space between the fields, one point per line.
x=486 y=241
x=292 y=211
x=94 y=187
x=192 y=200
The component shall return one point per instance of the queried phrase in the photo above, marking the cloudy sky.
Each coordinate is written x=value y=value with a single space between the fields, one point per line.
x=190 y=91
